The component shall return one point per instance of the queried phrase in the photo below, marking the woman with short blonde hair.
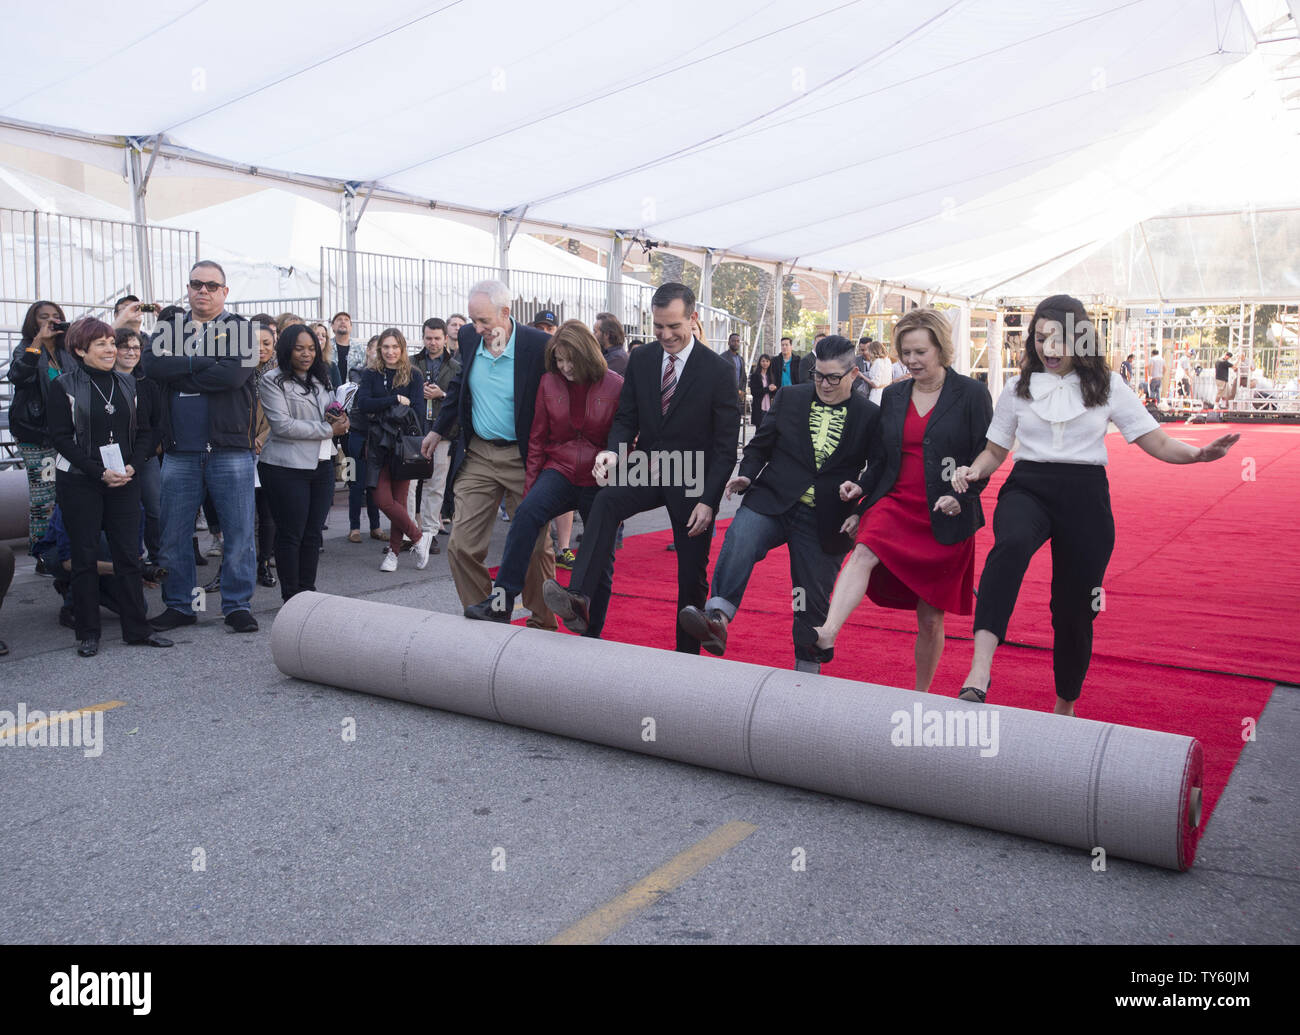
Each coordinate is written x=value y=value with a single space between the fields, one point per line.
x=933 y=322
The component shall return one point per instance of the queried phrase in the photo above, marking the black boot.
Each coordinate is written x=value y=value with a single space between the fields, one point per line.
x=264 y=576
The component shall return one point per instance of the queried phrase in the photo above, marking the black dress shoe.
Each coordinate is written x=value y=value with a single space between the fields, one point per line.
x=264 y=576
x=4 y=648
x=241 y=622
x=88 y=647
x=41 y=569
x=574 y=608
x=496 y=608
x=151 y=641
x=172 y=619
x=199 y=559
x=805 y=635
x=710 y=629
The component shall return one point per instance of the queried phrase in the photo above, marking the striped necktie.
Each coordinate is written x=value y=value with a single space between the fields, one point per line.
x=670 y=381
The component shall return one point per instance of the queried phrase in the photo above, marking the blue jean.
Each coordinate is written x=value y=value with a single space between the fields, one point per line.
x=357 y=491
x=186 y=477
x=150 y=476
x=550 y=496
x=749 y=538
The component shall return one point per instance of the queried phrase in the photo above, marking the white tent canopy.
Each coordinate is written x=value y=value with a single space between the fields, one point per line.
x=956 y=145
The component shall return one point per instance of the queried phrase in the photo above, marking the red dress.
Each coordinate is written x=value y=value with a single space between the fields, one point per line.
x=913 y=564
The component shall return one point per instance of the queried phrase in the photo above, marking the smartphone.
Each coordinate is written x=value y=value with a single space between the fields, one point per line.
x=148 y=307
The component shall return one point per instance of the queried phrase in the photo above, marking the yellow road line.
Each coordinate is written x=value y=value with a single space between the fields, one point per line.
x=596 y=926
x=63 y=717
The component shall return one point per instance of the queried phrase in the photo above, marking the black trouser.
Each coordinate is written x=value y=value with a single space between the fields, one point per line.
x=1069 y=504
x=299 y=501
x=616 y=503
x=265 y=525
x=88 y=508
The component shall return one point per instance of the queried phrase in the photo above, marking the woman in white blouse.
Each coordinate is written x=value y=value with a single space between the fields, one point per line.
x=1056 y=412
x=879 y=374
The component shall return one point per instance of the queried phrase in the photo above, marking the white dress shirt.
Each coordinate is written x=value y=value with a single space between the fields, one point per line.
x=1054 y=426
x=681 y=358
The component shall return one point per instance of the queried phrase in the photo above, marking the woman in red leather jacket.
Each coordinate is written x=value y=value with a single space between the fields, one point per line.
x=576 y=403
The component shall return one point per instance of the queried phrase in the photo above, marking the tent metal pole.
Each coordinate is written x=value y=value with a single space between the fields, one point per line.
x=778 y=305
x=139 y=183
x=614 y=278
x=350 y=244
x=706 y=278
x=833 y=304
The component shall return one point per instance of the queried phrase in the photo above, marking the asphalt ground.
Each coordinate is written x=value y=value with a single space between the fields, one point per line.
x=226 y=807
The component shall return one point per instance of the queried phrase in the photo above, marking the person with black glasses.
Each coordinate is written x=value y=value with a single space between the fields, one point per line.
x=815 y=437
x=209 y=410
x=101 y=429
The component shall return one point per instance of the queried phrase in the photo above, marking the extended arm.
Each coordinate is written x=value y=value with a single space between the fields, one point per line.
x=1171 y=451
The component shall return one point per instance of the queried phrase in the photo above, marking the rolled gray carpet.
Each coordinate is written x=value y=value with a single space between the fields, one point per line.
x=1133 y=793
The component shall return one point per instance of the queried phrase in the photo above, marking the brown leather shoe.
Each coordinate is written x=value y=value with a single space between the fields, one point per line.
x=573 y=608
x=380 y=534
x=710 y=629
x=354 y=536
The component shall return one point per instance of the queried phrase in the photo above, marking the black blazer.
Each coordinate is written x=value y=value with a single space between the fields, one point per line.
x=780 y=463
x=954 y=437
x=704 y=414
x=458 y=406
x=796 y=368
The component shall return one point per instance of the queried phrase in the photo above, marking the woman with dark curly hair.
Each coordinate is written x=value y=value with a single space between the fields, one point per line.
x=1057 y=412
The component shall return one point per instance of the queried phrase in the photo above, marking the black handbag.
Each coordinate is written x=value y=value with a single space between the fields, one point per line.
x=407 y=463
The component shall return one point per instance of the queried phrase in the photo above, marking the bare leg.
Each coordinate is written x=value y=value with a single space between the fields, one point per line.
x=982 y=663
x=850 y=588
x=1063 y=707
x=564 y=529
x=929 y=643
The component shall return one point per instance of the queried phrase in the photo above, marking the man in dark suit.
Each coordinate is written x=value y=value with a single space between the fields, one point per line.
x=678 y=405
x=492 y=398
x=815 y=438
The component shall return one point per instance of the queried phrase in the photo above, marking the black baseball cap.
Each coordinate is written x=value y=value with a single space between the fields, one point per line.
x=546 y=316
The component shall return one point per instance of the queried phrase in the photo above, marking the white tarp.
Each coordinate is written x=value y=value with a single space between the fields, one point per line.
x=943 y=143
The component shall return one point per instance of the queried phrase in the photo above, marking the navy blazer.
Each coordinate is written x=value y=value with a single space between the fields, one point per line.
x=954 y=437
x=458 y=406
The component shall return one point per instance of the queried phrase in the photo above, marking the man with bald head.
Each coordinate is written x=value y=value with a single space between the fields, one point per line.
x=492 y=399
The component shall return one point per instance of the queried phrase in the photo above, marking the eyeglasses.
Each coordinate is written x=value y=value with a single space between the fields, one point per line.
x=829 y=379
x=128 y=348
x=211 y=285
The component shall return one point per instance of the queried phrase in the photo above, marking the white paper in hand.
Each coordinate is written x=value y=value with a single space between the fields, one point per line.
x=111 y=455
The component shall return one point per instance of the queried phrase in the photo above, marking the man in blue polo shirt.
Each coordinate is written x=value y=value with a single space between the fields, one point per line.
x=492 y=399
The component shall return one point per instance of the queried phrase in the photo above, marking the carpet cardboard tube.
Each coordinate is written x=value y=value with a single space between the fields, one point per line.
x=1134 y=793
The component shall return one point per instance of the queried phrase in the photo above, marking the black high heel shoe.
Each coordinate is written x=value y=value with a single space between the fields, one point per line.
x=805 y=636
x=974 y=693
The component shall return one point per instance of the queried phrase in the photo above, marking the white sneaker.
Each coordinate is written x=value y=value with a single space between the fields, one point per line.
x=421 y=551
x=389 y=563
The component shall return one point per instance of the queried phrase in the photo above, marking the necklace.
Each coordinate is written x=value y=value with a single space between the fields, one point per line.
x=942 y=378
x=109 y=408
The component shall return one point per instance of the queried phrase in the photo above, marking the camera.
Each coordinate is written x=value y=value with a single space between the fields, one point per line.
x=59 y=327
x=148 y=307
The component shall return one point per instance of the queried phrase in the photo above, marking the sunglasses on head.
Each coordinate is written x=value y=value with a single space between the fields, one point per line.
x=211 y=285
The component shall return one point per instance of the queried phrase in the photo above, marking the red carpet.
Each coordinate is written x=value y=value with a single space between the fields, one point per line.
x=1200 y=607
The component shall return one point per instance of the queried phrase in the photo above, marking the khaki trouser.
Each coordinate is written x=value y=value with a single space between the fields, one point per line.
x=492 y=475
x=431 y=499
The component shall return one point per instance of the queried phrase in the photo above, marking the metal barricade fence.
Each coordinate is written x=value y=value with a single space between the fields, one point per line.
x=399 y=291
